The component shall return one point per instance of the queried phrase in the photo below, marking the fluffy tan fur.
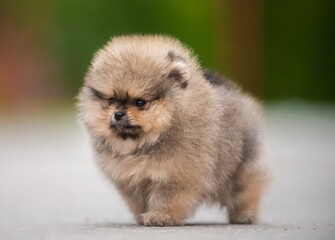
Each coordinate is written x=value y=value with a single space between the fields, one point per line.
x=197 y=139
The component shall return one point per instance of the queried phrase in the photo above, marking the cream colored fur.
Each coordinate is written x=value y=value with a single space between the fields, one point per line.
x=194 y=142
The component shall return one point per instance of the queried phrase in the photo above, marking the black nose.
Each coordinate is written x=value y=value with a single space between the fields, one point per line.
x=119 y=115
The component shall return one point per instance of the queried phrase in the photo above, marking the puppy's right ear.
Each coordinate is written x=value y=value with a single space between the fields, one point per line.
x=178 y=69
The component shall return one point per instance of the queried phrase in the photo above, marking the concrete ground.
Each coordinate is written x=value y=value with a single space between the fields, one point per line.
x=51 y=189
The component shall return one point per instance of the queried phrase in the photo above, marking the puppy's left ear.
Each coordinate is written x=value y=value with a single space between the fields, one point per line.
x=178 y=69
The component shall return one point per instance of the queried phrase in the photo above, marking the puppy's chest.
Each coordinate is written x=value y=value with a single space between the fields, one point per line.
x=135 y=168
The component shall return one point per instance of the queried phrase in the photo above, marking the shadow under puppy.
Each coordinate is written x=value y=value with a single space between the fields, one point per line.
x=169 y=135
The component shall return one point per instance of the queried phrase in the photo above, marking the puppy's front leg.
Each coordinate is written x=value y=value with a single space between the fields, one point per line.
x=135 y=198
x=169 y=205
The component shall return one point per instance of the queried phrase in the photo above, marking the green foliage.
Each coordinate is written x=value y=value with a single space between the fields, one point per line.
x=299 y=49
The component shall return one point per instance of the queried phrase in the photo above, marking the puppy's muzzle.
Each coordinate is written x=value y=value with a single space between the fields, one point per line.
x=119 y=115
x=120 y=120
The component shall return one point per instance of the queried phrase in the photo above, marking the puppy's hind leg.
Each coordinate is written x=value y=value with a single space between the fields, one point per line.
x=244 y=199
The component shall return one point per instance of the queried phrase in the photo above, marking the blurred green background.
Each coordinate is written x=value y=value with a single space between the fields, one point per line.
x=275 y=49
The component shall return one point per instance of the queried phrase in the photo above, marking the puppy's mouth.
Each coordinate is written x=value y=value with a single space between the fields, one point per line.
x=126 y=130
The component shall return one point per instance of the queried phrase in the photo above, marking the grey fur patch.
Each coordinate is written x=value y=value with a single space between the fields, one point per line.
x=216 y=80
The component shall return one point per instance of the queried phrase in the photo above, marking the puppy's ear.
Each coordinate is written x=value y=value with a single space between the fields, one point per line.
x=178 y=69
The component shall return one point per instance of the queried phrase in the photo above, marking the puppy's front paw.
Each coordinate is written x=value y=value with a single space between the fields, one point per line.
x=139 y=219
x=157 y=218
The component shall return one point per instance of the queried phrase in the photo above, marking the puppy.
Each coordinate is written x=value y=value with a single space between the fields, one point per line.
x=169 y=135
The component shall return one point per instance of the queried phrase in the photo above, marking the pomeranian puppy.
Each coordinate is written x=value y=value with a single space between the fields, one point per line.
x=169 y=135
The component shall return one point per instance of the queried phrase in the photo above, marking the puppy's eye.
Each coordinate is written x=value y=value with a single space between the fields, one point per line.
x=140 y=103
x=111 y=101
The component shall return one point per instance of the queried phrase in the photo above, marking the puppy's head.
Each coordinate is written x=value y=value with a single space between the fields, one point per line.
x=134 y=86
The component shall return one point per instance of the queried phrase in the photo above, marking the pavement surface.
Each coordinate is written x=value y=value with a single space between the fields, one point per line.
x=50 y=187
